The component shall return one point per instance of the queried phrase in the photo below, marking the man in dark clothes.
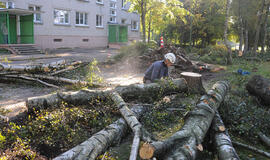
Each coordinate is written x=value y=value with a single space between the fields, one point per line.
x=159 y=69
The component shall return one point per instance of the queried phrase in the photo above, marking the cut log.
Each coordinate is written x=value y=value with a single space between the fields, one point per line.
x=100 y=141
x=191 y=135
x=261 y=152
x=32 y=68
x=259 y=87
x=85 y=96
x=132 y=122
x=264 y=138
x=222 y=140
x=144 y=92
x=194 y=81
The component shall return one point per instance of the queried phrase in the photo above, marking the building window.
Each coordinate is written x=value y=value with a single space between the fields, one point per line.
x=61 y=16
x=99 y=1
x=134 y=25
x=112 y=5
x=113 y=19
x=99 y=21
x=81 y=18
x=113 y=12
x=37 y=13
x=123 y=21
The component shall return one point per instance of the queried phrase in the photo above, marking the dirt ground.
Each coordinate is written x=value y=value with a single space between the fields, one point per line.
x=11 y=93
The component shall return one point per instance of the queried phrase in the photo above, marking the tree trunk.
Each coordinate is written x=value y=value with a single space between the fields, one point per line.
x=194 y=82
x=132 y=122
x=149 y=27
x=241 y=25
x=246 y=39
x=222 y=140
x=265 y=28
x=229 y=56
x=259 y=87
x=142 y=92
x=33 y=68
x=258 y=27
x=189 y=138
x=100 y=141
x=143 y=2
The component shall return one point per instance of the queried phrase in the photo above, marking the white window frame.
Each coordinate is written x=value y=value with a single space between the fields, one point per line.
x=84 y=18
x=114 y=5
x=101 y=21
x=36 y=12
x=112 y=21
x=99 y=2
x=64 y=17
x=137 y=26
x=114 y=10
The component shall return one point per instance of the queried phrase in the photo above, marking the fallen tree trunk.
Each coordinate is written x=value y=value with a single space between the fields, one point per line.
x=187 y=141
x=99 y=142
x=138 y=91
x=259 y=87
x=144 y=92
x=222 y=140
x=132 y=122
x=264 y=138
x=261 y=152
x=33 y=68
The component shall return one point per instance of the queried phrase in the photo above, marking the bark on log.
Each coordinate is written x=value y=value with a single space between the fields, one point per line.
x=264 y=138
x=132 y=122
x=32 y=68
x=99 y=142
x=259 y=87
x=194 y=81
x=197 y=123
x=261 y=152
x=85 y=95
x=144 y=92
x=222 y=140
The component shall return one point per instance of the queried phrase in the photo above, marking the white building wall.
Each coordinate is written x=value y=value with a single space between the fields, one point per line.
x=72 y=35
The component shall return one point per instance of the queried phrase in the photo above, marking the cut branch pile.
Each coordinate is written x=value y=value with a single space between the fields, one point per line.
x=41 y=73
x=183 y=63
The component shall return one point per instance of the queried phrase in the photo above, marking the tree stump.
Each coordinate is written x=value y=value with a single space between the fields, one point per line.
x=194 y=81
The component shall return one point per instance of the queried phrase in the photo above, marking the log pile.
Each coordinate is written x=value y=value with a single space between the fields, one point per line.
x=43 y=73
x=184 y=144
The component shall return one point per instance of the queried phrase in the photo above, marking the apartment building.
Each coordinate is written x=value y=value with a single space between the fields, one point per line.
x=68 y=23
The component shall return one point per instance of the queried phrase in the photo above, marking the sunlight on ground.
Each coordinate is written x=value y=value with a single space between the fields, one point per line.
x=125 y=79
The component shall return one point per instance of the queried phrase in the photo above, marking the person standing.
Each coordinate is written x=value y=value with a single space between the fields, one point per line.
x=159 y=69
